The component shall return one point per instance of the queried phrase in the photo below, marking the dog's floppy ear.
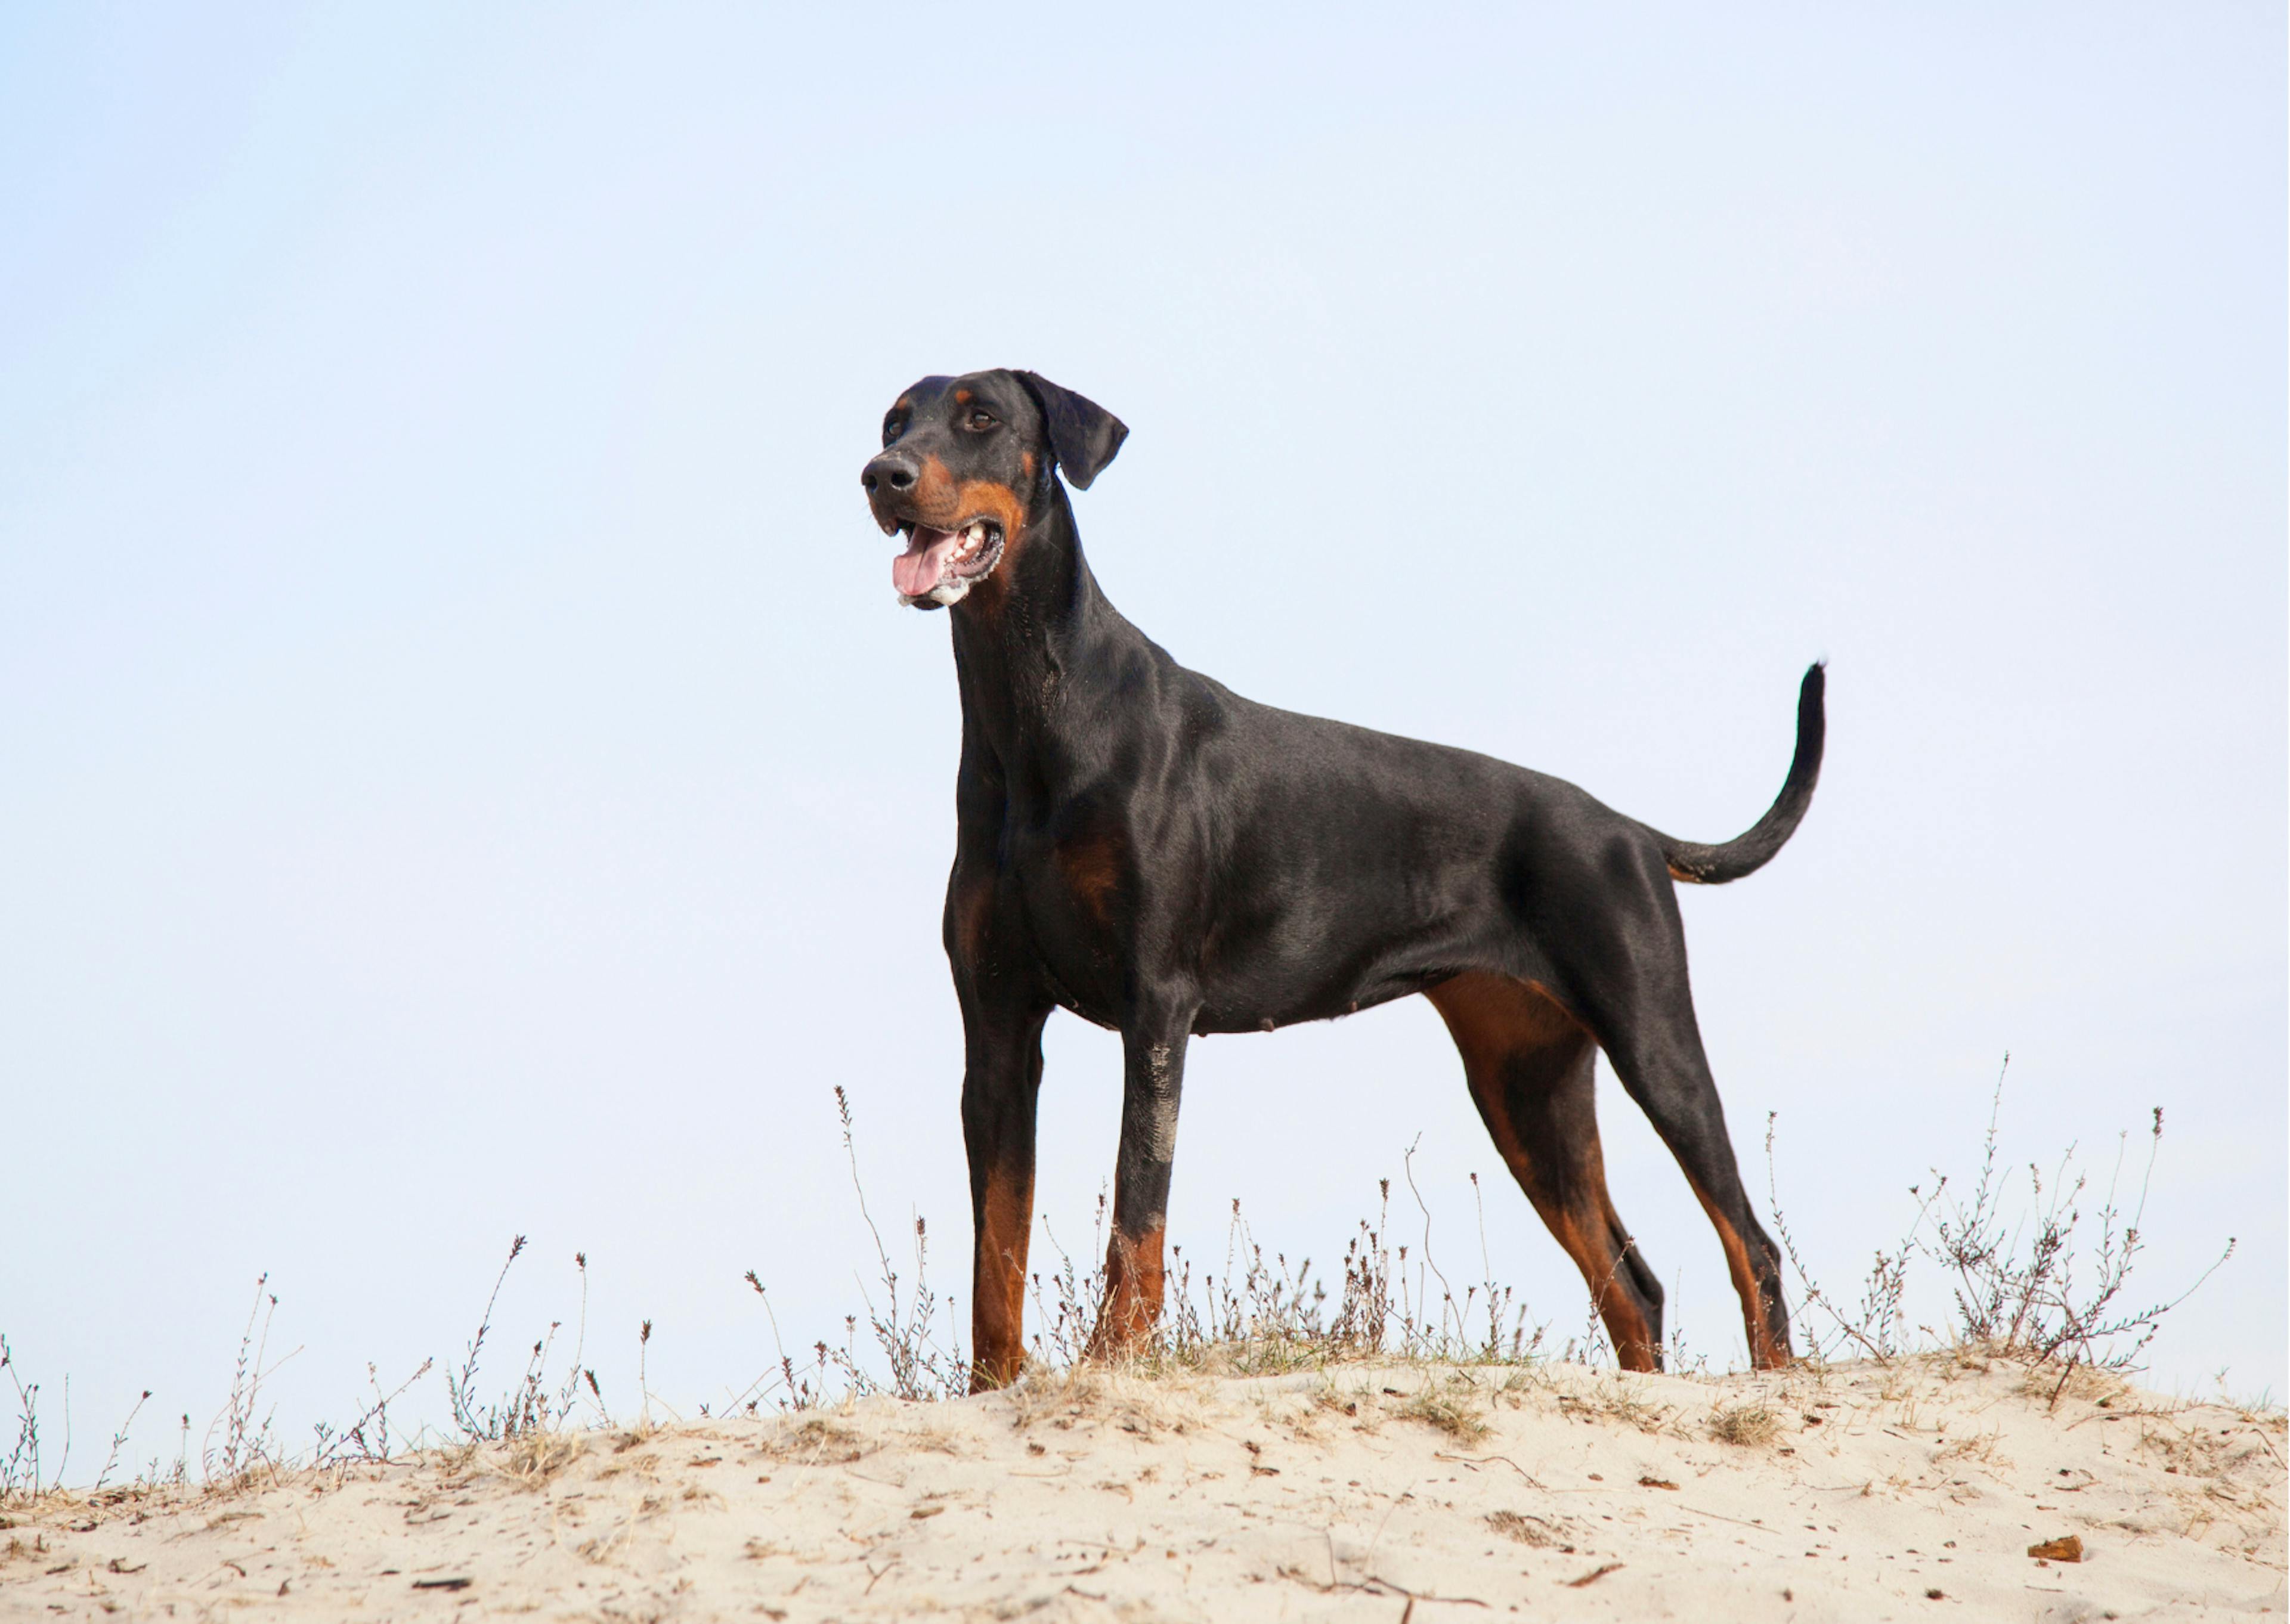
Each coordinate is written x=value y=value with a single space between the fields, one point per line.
x=1084 y=436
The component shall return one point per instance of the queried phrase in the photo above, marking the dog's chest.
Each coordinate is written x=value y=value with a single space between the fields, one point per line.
x=1078 y=895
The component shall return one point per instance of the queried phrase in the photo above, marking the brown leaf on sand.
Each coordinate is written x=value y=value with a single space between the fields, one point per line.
x=2068 y=1548
x=1655 y=1483
x=1594 y=1574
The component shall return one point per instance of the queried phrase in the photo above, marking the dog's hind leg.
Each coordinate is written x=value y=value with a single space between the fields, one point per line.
x=1642 y=1009
x=1657 y=1055
x=1530 y=1065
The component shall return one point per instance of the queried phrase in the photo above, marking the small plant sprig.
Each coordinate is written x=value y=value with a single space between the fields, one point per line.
x=366 y=1438
x=2027 y=1303
x=914 y=1365
x=920 y=1368
x=1877 y=1328
x=248 y=1443
x=2013 y=1282
x=119 y=1441
x=535 y=1404
x=19 y=1472
x=459 y=1390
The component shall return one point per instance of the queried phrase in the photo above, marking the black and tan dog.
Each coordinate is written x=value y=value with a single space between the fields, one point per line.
x=1144 y=847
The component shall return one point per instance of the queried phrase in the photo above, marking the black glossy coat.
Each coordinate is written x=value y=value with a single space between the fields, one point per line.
x=1148 y=849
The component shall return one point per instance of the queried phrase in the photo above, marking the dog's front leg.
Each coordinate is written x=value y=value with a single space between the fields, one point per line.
x=1154 y=1074
x=1001 y=1082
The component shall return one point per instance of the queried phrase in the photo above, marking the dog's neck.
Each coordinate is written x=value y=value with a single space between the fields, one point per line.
x=1033 y=645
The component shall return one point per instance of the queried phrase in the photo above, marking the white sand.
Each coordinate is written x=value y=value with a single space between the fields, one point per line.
x=1316 y=1496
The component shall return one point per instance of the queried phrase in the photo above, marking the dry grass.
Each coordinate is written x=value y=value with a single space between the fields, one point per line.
x=932 y=1441
x=2043 y=1283
x=533 y=1460
x=816 y=1439
x=1137 y=1396
x=1260 y=1315
x=2028 y=1288
x=1753 y=1425
x=1980 y=1449
x=1528 y=1530
x=1616 y=1399
x=2053 y=1379
x=1454 y=1410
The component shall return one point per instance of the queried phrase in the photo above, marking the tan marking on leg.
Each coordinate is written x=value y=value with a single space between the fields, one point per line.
x=1762 y=1354
x=997 y=1317
x=1135 y=1282
x=1494 y=1019
x=1582 y=1229
x=1491 y=1016
x=1632 y=1336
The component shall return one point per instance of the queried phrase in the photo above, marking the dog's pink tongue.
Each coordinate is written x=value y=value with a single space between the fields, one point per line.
x=915 y=571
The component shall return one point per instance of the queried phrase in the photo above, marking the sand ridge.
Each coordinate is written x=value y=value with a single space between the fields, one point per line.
x=1357 y=1491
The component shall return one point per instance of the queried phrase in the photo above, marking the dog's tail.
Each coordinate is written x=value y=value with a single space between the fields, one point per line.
x=1700 y=865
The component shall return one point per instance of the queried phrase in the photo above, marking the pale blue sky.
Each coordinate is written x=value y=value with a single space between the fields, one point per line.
x=466 y=773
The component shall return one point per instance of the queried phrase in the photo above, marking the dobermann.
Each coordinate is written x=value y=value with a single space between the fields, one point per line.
x=1138 y=844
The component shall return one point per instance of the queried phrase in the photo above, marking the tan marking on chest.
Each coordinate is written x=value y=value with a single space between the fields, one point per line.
x=1092 y=867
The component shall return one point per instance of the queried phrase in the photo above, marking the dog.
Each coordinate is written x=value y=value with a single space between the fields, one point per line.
x=1138 y=844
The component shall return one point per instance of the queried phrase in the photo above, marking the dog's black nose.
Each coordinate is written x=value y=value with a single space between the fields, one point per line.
x=890 y=471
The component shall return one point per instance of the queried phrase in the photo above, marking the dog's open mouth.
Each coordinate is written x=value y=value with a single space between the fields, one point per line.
x=940 y=566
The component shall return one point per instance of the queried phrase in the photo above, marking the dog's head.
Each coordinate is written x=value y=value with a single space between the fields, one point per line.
x=966 y=464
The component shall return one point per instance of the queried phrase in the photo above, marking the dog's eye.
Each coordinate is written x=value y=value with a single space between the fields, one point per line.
x=978 y=418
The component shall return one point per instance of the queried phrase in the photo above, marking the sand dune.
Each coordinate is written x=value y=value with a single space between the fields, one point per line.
x=1361 y=1492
